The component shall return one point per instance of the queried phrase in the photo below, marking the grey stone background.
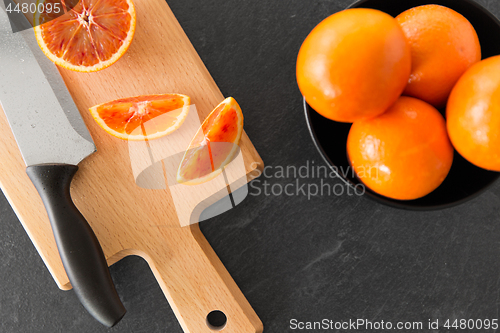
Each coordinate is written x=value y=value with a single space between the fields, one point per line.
x=328 y=257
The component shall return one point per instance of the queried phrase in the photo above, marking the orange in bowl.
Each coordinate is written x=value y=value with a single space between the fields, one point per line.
x=473 y=114
x=443 y=46
x=403 y=154
x=354 y=65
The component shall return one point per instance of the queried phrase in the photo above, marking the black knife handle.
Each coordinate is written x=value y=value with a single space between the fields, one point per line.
x=78 y=246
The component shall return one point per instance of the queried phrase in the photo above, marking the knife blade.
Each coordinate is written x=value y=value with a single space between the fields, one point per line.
x=53 y=140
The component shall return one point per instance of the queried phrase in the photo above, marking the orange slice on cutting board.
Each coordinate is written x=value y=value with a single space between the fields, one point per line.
x=143 y=117
x=90 y=37
x=214 y=146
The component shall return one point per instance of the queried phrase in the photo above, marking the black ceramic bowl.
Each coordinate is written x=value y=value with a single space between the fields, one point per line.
x=465 y=181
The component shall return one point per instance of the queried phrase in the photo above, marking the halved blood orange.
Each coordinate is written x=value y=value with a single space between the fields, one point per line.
x=214 y=146
x=91 y=36
x=143 y=117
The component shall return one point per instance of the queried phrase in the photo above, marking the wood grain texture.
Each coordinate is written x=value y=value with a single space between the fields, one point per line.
x=128 y=219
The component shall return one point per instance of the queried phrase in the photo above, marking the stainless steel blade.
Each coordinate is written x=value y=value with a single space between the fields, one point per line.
x=42 y=115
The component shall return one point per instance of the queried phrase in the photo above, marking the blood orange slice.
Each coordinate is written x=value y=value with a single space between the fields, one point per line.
x=214 y=145
x=91 y=36
x=142 y=118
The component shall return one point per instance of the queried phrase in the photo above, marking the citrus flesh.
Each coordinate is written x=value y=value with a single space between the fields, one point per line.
x=143 y=117
x=89 y=37
x=403 y=154
x=214 y=145
x=473 y=114
x=354 y=65
x=444 y=44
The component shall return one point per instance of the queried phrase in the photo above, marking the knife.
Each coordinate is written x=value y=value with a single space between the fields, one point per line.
x=53 y=140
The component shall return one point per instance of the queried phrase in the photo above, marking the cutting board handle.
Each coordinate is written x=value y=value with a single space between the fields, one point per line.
x=196 y=283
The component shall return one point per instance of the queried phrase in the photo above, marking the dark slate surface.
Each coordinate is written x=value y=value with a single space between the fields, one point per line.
x=329 y=257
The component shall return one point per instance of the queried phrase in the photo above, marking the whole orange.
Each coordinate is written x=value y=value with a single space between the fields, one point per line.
x=473 y=114
x=404 y=153
x=443 y=46
x=353 y=65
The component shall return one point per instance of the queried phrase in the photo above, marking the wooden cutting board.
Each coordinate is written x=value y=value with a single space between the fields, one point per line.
x=128 y=219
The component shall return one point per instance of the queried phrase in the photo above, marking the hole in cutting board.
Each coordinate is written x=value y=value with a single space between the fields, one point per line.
x=216 y=320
